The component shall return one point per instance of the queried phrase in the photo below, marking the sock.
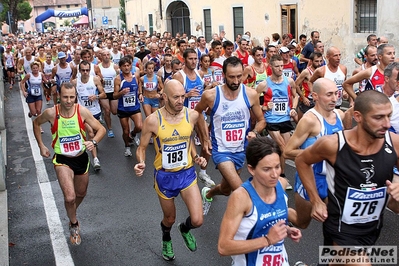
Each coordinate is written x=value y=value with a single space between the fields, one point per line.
x=165 y=232
x=75 y=224
x=186 y=226
x=203 y=171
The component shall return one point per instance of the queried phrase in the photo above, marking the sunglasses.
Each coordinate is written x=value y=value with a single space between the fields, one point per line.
x=85 y=70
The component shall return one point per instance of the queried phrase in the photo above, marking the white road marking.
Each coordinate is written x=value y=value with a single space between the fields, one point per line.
x=60 y=247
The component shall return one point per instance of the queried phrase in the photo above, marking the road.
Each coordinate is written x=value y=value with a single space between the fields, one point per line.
x=120 y=217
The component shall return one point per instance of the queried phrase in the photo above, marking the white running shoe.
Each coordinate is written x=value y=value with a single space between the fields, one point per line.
x=128 y=152
x=206 y=179
x=206 y=203
x=96 y=164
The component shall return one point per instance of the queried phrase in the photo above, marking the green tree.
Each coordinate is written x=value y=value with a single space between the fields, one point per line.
x=19 y=10
x=122 y=14
x=67 y=23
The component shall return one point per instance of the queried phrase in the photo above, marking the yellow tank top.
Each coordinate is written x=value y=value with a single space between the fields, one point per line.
x=172 y=144
x=68 y=133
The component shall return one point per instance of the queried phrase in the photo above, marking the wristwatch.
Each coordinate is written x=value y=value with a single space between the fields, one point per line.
x=94 y=142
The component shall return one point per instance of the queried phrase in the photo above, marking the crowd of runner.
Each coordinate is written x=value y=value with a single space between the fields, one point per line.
x=239 y=102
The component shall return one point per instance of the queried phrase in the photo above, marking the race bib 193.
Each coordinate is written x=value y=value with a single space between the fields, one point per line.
x=174 y=156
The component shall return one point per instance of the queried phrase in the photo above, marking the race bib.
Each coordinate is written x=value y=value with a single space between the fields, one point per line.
x=108 y=84
x=71 y=145
x=280 y=106
x=340 y=92
x=218 y=75
x=207 y=78
x=174 y=156
x=363 y=206
x=150 y=86
x=192 y=101
x=129 y=100
x=288 y=73
x=272 y=256
x=64 y=80
x=84 y=100
x=233 y=134
x=35 y=90
x=9 y=62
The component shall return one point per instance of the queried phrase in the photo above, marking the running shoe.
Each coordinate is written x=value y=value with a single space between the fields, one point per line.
x=167 y=250
x=206 y=179
x=197 y=141
x=74 y=234
x=96 y=164
x=189 y=239
x=206 y=203
x=134 y=138
x=111 y=134
x=128 y=153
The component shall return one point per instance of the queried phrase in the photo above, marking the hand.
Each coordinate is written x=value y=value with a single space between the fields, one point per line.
x=141 y=98
x=89 y=145
x=278 y=232
x=319 y=211
x=294 y=233
x=139 y=169
x=44 y=152
x=251 y=135
x=125 y=91
x=207 y=147
x=306 y=101
x=25 y=94
x=393 y=190
x=201 y=161
x=193 y=92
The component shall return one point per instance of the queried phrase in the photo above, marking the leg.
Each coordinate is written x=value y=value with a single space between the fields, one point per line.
x=114 y=106
x=192 y=198
x=169 y=211
x=32 y=109
x=107 y=112
x=230 y=180
x=138 y=122
x=302 y=217
x=38 y=107
x=147 y=109
x=65 y=177
x=125 y=129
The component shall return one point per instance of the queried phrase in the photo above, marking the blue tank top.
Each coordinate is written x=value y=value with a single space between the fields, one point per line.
x=319 y=168
x=258 y=222
x=129 y=102
x=279 y=94
x=150 y=85
x=190 y=85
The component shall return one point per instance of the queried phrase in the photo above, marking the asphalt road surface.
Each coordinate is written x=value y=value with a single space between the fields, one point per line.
x=120 y=216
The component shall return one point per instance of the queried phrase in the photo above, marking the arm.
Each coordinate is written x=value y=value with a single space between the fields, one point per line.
x=300 y=79
x=304 y=129
x=323 y=149
x=348 y=84
x=257 y=111
x=94 y=124
x=99 y=85
x=295 y=68
x=319 y=73
x=20 y=66
x=47 y=116
x=98 y=72
x=358 y=61
x=294 y=99
x=117 y=84
x=201 y=126
x=22 y=85
x=247 y=73
x=238 y=205
x=150 y=127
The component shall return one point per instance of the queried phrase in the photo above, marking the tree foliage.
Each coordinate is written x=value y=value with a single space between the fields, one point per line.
x=19 y=10
x=122 y=13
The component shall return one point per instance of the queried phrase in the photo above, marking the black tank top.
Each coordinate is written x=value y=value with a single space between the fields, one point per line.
x=357 y=192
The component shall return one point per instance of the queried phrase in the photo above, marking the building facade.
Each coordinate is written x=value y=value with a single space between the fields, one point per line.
x=344 y=23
